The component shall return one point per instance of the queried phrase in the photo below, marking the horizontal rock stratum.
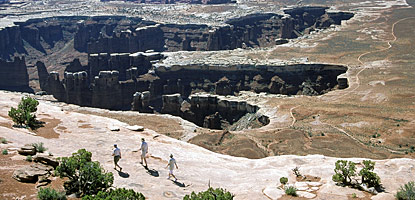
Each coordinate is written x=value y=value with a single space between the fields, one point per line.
x=246 y=178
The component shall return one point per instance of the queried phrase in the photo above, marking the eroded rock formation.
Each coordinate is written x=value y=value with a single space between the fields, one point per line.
x=121 y=85
x=14 y=76
x=119 y=34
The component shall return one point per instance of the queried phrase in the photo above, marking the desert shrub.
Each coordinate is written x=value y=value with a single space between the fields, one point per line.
x=4 y=152
x=406 y=192
x=39 y=147
x=283 y=180
x=291 y=190
x=210 y=194
x=29 y=158
x=368 y=176
x=85 y=176
x=23 y=114
x=3 y=140
x=344 y=171
x=119 y=193
x=50 y=194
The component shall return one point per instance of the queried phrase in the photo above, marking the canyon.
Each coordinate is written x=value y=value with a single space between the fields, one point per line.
x=122 y=50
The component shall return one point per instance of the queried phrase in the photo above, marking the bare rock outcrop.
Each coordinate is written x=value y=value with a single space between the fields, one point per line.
x=28 y=149
x=208 y=111
x=43 y=76
x=31 y=174
x=14 y=76
x=46 y=160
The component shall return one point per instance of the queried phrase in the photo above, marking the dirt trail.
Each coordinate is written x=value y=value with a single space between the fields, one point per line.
x=357 y=80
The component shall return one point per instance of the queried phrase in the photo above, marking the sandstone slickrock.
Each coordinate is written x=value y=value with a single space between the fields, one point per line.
x=135 y=128
x=46 y=159
x=27 y=150
x=31 y=174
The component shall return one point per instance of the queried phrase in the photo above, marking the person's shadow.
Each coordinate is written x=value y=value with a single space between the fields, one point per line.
x=152 y=172
x=123 y=174
x=179 y=184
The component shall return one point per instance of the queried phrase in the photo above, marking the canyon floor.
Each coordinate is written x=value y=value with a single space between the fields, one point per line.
x=373 y=118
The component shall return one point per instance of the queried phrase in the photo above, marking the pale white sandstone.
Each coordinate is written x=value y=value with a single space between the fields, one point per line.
x=246 y=178
x=307 y=195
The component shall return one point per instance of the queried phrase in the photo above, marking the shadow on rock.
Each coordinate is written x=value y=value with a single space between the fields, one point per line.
x=152 y=172
x=179 y=184
x=123 y=174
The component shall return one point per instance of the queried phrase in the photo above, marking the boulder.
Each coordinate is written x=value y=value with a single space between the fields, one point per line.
x=113 y=128
x=135 y=128
x=46 y=159
x=27 y=150
x=30 y=174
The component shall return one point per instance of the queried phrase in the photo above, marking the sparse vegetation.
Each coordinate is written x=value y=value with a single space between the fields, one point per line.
x=291 y=190
x=29 y=158
x=85 y=176
x=3 y=140
x=406 y=192
x=344 y=172
x=119 y=193
x=283 y=180
x=354 y=195
x=4 y=152
x=368 y=176
x=217 y=194
x=50 y=194
x=39 y=147
x=24 y=115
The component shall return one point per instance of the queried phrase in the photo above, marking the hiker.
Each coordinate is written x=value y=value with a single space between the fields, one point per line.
x=144 y=151
x=171 y=164
x=117 y=156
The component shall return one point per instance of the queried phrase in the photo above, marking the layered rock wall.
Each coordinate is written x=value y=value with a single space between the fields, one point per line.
x=14 y=76
x=109 y=84
x=119 y=34
x=210 y=111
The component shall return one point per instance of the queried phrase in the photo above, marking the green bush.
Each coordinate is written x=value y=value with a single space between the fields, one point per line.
x=344 y=171
x=368 y=176
x=3 y=140
x=4 y=152
x=85 y=177
x=29 y=158
x=39 y=147
x=283 y=180
x=50 y=194
x=291 y=190
x=117 y=194
x=407 y=192
x=210 y=194
x=22 y=115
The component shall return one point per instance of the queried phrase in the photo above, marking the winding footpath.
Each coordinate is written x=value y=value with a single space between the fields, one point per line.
x=357 y=80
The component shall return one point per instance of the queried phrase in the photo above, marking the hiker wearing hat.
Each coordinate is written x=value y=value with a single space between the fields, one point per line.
x=117 y=156
x=170 y=165
x=144 y=151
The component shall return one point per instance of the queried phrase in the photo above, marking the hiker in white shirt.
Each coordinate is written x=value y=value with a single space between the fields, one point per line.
x=171 y=164
x=144 y=151
x=117 y=156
